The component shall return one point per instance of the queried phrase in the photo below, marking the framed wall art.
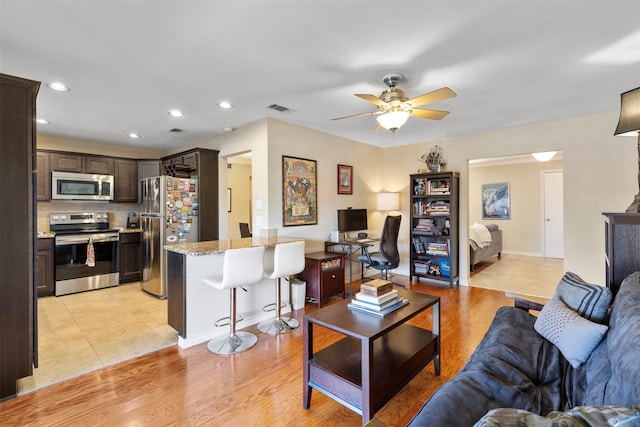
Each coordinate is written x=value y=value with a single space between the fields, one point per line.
x=495 y=201
x=345 y=179
x=299 y=191
x=228 y=200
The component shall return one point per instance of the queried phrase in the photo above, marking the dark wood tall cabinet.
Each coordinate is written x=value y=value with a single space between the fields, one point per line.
x=18 y=298
x=622 y=247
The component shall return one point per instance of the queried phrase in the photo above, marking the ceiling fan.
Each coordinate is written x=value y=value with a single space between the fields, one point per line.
x=395 y=107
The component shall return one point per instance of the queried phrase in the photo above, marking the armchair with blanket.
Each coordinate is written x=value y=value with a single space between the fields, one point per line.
x=485 y=241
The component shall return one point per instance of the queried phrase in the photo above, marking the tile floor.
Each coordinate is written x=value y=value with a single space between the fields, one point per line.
x=535 y=276
x=82 y=332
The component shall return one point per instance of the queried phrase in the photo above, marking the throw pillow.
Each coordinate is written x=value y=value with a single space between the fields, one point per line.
x=575 y=336
x=589 y=301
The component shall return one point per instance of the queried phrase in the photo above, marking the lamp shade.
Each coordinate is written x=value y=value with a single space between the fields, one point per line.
x=388 y=201
x=544 y=156
x=393 y=119
x=629 y=122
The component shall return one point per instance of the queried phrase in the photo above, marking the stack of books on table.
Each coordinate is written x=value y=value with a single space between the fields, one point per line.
x=377 y=297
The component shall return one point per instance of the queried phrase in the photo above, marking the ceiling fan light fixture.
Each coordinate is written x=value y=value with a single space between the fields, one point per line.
x=393 y=120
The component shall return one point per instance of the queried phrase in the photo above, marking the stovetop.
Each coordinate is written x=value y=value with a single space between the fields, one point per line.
x=79 y=222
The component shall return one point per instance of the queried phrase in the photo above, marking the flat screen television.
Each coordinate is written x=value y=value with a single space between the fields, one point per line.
x=352 y=220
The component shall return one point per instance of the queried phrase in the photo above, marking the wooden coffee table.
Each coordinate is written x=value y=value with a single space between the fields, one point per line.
x=375 y=359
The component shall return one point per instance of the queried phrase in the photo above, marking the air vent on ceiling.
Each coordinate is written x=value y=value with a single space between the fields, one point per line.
x=280 y=108
x=176 y=130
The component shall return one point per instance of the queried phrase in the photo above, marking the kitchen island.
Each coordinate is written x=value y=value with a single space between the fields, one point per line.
x=194 y=308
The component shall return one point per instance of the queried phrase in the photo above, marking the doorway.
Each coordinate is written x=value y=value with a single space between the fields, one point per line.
x=528 y=237
x=239 y=193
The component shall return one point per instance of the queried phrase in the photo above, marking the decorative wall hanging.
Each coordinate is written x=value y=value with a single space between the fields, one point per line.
x=345 y=179
x=228 y=200
x=299 y=191
x=495 y=201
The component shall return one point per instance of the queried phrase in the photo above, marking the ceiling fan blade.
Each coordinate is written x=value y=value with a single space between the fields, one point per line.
x=436 y=95
x=372 y=99
x=429 y=114
x=357 y=115
x=378 y=127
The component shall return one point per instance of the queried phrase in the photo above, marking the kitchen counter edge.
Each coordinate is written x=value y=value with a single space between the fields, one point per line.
x=220 y=246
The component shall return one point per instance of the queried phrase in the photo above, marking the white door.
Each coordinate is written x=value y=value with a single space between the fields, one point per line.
x=553 y=214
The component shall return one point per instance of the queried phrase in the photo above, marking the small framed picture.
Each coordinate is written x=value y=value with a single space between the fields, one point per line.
x=228 y=200
x=345 y=179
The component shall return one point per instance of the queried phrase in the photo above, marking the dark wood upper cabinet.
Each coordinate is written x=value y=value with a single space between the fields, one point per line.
x=99 y=165
x=66 y=162
x=126 y=180
x=43 y=177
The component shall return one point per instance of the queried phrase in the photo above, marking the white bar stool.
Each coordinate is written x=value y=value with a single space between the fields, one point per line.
x=288 y=259
x=241 y=267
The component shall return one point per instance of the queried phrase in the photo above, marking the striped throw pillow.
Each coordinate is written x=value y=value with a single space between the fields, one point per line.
x=589 y=301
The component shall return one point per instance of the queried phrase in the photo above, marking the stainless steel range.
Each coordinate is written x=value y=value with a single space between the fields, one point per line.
x=86 y=252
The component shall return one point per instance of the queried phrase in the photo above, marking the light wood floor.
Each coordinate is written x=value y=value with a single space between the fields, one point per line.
x=260 y=387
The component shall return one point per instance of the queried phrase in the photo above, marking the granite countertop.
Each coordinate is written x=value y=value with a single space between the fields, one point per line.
x=130 y=230
x=220 y=246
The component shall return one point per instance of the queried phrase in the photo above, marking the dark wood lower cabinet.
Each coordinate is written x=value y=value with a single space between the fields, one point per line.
x=130 y=257
x=324 y=274
x=45 y=267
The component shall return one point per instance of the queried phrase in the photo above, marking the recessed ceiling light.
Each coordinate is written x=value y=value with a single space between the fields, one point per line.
x=58 y=86
x=42 y=121
x=225 y=105
x=134 y=135
x=176 y=113
x=228 y=129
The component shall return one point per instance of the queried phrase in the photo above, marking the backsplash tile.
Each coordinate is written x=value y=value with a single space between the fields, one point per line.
x=118 y=212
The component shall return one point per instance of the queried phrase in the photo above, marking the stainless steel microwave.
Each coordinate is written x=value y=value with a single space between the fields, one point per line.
x=81 y=186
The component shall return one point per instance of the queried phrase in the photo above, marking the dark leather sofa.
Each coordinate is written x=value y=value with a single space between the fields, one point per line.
x=514 y=367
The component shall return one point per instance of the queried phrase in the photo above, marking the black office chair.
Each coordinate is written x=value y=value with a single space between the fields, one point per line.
x=387 y=257
x=244 y=230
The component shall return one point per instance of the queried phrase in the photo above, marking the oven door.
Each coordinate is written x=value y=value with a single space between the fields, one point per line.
x=74 y=274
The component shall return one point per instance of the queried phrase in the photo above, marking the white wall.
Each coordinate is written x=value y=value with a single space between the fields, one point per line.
x=328 y=151
x=599 y=176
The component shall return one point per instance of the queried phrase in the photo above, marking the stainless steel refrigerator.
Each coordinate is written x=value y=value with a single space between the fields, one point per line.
x=169 y=215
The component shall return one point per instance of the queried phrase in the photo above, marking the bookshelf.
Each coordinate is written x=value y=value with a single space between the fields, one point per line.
x=434 y=226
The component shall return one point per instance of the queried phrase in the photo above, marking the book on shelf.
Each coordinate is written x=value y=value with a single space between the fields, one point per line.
x=399 y=304
x=439 y=187
x=418 y=245
x=376 y=287
x=375 y=306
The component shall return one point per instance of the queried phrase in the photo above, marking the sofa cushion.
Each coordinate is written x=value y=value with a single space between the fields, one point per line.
x=575 y=336
x=513 y=366
x=613 y=374
x=589 y=301
x=581 y=416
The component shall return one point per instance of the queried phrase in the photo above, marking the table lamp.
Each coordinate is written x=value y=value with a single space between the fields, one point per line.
x=629 y=125
x=388 y=201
